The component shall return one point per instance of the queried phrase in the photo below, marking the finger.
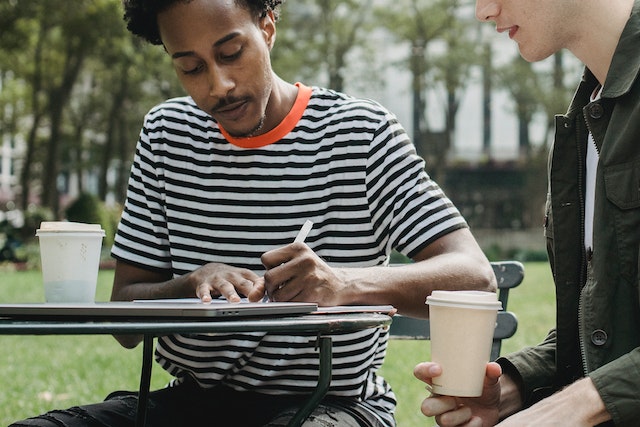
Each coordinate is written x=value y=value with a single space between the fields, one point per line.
x=242 y=285
x=275 y=281
x=275 y=257
x=280 y=292
x=290 y=291
x=229 y=292
x=457 y=417
x=475 y=422
x=426 y=370
x=277 y=273
x=270 y=287
x=204 y=293
x=258 y=292
x=437 y=405
x=494 y=371
x=226 y=289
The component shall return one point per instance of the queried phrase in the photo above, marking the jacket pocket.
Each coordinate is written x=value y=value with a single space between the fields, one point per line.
x=622 y=183
x=620 y=224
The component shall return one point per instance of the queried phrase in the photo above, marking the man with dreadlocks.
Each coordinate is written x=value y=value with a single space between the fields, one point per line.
x=221 y=182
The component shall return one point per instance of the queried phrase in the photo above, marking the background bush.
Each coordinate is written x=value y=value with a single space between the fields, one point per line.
x=89 y=209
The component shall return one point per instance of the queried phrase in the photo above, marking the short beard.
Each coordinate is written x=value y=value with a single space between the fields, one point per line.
x=252 y=132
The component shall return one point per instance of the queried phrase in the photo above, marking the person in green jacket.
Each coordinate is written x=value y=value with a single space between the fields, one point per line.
x=587 y=371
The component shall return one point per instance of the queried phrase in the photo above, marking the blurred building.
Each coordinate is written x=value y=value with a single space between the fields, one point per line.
x=8 y=178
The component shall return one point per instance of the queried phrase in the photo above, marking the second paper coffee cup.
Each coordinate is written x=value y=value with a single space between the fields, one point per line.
x=462 y=325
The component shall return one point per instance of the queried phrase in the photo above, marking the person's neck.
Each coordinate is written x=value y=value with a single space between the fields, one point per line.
x=600 y=33
x=283 y=96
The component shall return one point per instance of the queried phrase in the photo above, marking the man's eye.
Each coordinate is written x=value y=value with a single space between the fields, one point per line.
x=232 y=56
x=194 y=70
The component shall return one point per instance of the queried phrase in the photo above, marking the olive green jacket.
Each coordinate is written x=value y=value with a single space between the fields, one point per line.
x=598 y=307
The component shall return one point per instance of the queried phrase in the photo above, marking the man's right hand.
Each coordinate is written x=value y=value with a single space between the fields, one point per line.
x=448 y=411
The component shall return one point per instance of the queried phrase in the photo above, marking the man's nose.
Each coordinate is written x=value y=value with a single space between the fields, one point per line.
x=486 y=10
x=220 y=83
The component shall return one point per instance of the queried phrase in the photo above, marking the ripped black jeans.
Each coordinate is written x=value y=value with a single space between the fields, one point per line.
x=189 y=405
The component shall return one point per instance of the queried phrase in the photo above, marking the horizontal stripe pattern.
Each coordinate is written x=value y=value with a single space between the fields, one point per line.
x=194 y=198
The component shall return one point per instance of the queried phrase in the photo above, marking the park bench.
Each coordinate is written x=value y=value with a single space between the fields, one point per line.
x=509 y=274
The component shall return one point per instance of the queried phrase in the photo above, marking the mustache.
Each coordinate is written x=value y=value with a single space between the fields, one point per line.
x=225 y=102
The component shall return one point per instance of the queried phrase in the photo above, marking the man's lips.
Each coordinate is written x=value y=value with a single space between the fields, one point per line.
x=232 y=111
x=512 y=30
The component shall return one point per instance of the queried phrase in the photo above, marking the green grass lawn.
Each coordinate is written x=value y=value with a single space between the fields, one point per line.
x=47 y=372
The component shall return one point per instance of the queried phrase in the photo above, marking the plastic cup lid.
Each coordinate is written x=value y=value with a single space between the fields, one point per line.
x=470 y=299
x=68 y=227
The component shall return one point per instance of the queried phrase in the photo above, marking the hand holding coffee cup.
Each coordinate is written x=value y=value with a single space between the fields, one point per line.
x=462 y=326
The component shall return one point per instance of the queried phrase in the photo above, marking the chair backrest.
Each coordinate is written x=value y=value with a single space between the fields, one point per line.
x=509 y=274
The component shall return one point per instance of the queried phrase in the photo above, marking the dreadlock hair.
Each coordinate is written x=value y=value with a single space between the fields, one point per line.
x=141 y=15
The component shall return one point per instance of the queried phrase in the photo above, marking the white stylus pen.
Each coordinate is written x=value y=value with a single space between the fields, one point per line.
x=304 y=231
x=302 y=235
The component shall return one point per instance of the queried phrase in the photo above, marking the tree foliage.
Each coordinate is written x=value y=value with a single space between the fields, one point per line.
x=75 y=85
x=318 y=39
x=441 y=51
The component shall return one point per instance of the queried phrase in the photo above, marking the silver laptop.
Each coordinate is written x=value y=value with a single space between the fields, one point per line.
x=158 y=309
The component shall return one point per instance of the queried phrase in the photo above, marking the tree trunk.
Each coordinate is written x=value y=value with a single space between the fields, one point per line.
x=524 y=143
x=122 y=174
x=36 y=87
x=487 y=88
x=419 y=105
x=116 y=107
x=58 y=99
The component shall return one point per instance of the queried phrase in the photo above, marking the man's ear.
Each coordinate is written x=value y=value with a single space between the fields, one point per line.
x=268 y=28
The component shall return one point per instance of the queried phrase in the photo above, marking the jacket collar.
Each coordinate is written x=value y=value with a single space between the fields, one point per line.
x=625 y=64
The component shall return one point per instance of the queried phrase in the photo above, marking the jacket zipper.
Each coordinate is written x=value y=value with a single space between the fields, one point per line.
x=582 y=135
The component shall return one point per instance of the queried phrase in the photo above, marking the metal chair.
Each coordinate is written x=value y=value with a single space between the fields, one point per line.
x=509 y=274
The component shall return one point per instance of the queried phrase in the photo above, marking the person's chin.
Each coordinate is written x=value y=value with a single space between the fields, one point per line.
x=531 y=55
x=243 y=131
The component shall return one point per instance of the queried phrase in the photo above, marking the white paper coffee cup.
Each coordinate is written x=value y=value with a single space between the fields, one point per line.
x=70 y=259
x=462 y=325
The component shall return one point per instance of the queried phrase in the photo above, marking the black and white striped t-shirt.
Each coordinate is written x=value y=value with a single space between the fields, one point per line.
x=197 y=195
